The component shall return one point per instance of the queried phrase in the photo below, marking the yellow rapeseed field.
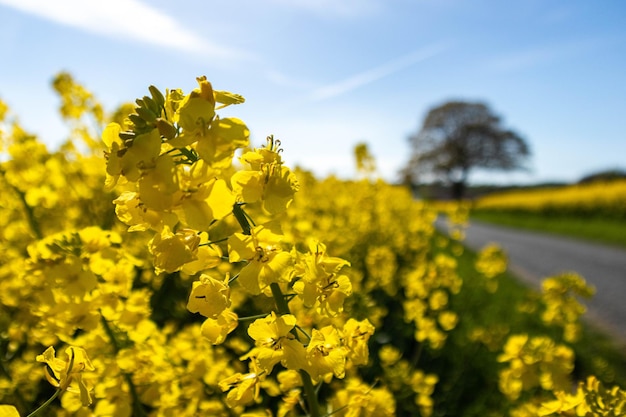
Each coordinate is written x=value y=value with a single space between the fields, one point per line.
x=597 y=198
x=171 y=269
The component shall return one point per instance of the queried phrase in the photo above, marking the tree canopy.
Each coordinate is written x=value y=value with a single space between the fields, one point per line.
x=457 y=137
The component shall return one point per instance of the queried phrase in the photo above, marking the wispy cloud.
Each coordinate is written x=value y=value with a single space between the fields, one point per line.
x=334 y=8
x=280 y=79
x=545 y=54
x=123 y=19
x=521 y=59
x=375 y=74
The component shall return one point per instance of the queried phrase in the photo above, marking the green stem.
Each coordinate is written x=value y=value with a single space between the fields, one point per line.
x=30 y=214
x=242 y=219
x=138 y=409
x=279 y=299
x=283 y=308
x=247 y=318
x=309 y=389
x=230 y=281
x=301 y=330
x=109 y=332
x=417 y=355
x=214 y=242
x=310 y=394
x=47 y=403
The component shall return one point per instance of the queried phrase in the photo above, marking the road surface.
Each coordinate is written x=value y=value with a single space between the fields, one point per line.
x=534 y=256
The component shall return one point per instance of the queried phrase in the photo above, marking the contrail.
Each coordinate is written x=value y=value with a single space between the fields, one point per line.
x=374 y=74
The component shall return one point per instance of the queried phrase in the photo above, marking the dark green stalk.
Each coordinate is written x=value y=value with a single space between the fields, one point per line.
x=279 y=299
x=30 y=214
x=248 y=318
x=241 y=217
x=417 y=354
x=46 y=404
x=230 y=281
x=214 y=242
x=283 y=308
x=309 y=390
x=137 y=408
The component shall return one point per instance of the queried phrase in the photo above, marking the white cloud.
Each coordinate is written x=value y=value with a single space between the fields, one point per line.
x=544 y=54
x=284 y=80
x=375 y=74
x=122 y=19
x=521 y=59
x=334 y=8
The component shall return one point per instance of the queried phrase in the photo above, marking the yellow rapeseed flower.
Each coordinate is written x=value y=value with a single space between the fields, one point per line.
x=274 y=343
x=209 y=296
x=68 y=375
x=267 y=262
x=325 y=354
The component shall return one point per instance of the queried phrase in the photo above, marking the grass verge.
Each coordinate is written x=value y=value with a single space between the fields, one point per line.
x=596 y=352
x=601 y=230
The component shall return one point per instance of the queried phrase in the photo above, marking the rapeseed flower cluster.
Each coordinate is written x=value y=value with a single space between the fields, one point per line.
x=559 y=294
x=591 y=398
x=188 y=273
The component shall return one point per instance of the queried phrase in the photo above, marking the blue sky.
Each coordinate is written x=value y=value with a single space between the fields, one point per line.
x=323 y=75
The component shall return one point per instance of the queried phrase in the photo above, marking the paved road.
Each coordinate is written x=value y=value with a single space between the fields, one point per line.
x=534 y=256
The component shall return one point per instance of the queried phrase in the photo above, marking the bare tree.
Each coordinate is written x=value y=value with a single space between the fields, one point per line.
x=458 y=137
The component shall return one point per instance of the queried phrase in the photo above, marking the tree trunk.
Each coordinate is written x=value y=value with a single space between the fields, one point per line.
x=458 y=189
